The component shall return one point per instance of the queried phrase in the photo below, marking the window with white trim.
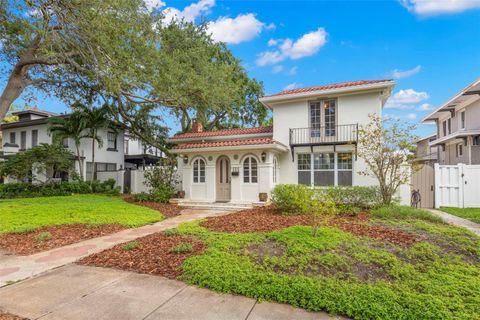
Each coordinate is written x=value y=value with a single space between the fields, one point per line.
x=199 y=171
x=325 y=169
x=250 y=170
x=111 y=141
x=462 y=120
x=329 y=107
x=459 y=150
x=315 y=119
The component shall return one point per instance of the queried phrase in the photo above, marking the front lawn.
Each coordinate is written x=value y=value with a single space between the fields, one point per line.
x=378 y=266
x=472 y=214
x=21 y=215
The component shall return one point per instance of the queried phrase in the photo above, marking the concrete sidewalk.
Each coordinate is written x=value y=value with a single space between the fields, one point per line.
x=457 y=221
x=80 y=292
x=15 y=268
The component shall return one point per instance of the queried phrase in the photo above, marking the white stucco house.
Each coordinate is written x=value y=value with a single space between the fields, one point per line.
x=313 y=141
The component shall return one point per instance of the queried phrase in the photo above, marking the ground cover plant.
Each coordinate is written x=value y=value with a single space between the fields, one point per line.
x=17 y=215
x=370 y=266
x=472 y=214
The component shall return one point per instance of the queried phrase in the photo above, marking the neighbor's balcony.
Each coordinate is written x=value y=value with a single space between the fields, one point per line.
x=324 y=135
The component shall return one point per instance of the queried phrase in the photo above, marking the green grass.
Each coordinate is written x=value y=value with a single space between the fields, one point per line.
x=182 y=248
x=22 y=215
x=132 y=245
x=337 y=272
x=472 y=214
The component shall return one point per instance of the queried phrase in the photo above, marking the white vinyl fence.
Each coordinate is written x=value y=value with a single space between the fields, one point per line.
x=457 y=186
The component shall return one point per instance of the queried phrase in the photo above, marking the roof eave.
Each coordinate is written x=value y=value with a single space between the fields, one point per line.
x=274 y=146
x=221 y=138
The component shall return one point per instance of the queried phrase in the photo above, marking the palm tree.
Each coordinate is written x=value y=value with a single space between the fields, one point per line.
x=72 y=126
x=95 y=119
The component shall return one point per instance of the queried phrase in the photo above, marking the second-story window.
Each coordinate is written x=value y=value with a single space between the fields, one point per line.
x=462 y=120
x=34 y=138
x=13 y=137
x=23 y=140
x=315 y=119
x=444 y=127
x=449 y=125
x=125 y=146
x=329 y=107
x=111 y=141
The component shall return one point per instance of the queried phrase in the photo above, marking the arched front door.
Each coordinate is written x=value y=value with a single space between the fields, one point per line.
x=223 y=179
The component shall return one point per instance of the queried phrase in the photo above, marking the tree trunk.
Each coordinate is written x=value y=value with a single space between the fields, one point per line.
x=94 y=167
x=80 y=164
x=17 y=82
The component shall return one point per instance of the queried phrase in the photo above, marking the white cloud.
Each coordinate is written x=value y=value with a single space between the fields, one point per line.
x=277 y=69
x=306 y=45
x=412 y=116
x=292 y=71
x=189 y=13
x=406 y=99
x=400 y=74
x=292 y=86
x=425 y=107
x=437 y=7
x=272 y=42
x=153 y=4
x=244 y=27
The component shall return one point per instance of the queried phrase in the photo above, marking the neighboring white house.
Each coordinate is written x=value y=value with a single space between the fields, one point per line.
x=32 y=129
x=313 y=141
x=458 y=127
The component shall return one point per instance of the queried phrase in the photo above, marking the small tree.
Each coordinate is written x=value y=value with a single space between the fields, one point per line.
x=386 y=147
x=42 y=158
x=162 y=181
x=320 y=212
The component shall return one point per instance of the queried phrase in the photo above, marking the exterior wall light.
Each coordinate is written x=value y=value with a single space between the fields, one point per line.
x=264 y=156
x=185 y=159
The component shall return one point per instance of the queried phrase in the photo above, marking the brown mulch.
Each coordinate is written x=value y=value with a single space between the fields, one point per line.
x=260 y=219
x=167 y=209
x=266 y=219
x=9 y=316
x=61 y=235
x=153 y=255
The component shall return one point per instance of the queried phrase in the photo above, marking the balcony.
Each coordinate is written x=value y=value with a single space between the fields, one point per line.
x=324 y=136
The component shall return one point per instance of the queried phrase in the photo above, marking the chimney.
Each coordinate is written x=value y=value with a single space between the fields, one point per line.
x=196 y=126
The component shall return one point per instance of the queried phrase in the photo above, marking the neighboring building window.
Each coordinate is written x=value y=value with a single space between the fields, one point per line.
x=329 y=109
x=125 y=146
x=65 y=142
x=444 y=126
x=34 y=138
x=476 y=141
x=325 y=169
x=449 y=125
x=275 y=169
x=315 y=119
x=111 y=141
x=462 y=120
x=459 y=150
x=250 y=170
x=23 y=140
x=13 y=137
x=199 y=171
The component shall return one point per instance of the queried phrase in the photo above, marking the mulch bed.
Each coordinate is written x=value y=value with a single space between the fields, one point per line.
x=9 y=316
x=260 y=219
x=61 y=235
x=153 y=255
x=266 y=219
x=167 y=209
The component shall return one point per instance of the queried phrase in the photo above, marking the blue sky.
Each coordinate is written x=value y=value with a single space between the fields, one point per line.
x=431 y=47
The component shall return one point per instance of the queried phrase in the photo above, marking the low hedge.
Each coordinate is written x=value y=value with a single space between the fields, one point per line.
x=357 y=196
x=64 y=188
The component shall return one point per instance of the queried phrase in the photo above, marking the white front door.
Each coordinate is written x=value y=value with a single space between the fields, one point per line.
x=223 y=179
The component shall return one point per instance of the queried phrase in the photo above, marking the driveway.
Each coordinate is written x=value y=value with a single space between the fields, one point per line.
x=80 y=292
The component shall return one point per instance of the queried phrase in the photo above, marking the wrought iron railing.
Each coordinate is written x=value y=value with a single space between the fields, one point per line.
x=334 y=134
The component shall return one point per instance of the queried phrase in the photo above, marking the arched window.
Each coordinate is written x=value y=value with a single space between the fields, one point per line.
x=275 y=169
x=199 y=171
x=250 y=170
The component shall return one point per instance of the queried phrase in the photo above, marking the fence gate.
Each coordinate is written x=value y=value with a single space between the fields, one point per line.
x=127 y=181
x=423 y=181
x=457 y=186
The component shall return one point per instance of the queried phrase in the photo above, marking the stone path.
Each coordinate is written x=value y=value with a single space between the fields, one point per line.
x=80 y=292
x=457 y=221
x=14 y=268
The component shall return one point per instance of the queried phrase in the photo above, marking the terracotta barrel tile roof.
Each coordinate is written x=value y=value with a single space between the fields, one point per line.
x=226 y=132
x=329 y=86
x=232 y=143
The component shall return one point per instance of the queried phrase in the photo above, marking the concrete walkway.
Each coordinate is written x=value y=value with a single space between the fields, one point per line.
x=80 y=292
x=457 y=221
x=14 y=268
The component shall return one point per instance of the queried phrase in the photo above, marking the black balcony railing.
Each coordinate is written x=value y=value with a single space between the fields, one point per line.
x=324 y=135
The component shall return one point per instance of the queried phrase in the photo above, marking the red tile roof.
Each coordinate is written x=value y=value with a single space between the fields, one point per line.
x=232 y=143
x=227 y=132
x=330 y=86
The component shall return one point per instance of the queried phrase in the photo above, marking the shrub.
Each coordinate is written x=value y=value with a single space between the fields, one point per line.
x=171 y=232
x=29 y=190
x=320 y=212
x=292 y=198
x=348 y=209
x=142 y=197
x=403 y=212
x=132 y=245
x=357 y=196
x=22 y=230
x=162 y=181
x=182 y=248
x=44 y=236
x=162 y=193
